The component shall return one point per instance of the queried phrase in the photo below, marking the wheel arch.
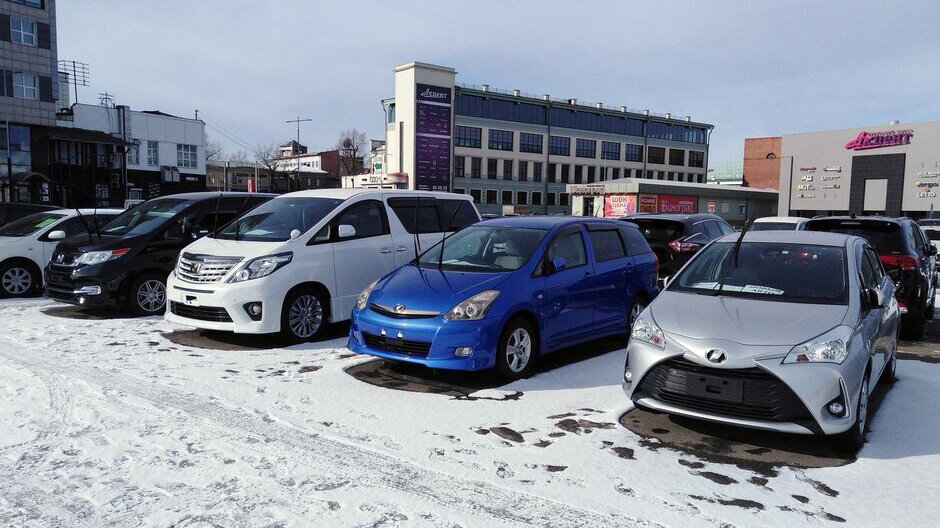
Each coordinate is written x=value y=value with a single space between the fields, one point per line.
x=316 y=286
x=30 y=264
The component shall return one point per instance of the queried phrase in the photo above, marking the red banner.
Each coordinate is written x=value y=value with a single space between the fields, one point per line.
x=675 y=204
x=617 y=205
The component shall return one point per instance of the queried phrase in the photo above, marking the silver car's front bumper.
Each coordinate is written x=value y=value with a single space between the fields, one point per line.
x=801 y=392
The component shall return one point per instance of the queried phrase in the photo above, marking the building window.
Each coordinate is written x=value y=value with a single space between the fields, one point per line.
x=578 y=173
x=153 y=153
x=670 y=176
x=696 y=158
x=537 y=171
x=475 y=167
x=552 y=173
x=615 y=173
x=459 y=166
x=507 y=197
x=22 y=32
x=186 y=156
x=676 y=157
x=133 y=155
x=563 y=199
x=559 y=145
x=610 y=150
x=491 y=171
x=507 y=169
x=633 y=152
x=491 y=196
x=660 y=175
x=25 y=86
x=550 y=199
x=530 y=143
x=656 y=155
x=523 y=170
x=458 y=190
x=465 y=136
x=500 y=139
x=31 y=3
x=476 y=195
x=585 y=148
x=590 y=174
x=522 y=198
x=651 y=174
x=565 y=172
x=536 y=198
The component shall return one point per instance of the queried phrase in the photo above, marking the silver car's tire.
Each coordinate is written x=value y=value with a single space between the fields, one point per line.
x=853 y=439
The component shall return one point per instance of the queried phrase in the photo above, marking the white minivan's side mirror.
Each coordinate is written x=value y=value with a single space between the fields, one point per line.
x=294 y=233
x=58 y=234
x=346 y=231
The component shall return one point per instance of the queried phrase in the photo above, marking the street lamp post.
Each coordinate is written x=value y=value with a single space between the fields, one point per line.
x=297 y=120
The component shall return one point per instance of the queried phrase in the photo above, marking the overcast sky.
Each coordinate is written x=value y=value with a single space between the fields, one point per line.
x=751 y=68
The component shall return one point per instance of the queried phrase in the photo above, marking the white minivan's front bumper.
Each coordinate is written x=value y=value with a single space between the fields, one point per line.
x=202 y=305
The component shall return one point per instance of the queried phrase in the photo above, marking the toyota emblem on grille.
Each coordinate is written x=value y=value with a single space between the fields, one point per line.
x=716 y=356
x=399 y=308
x=196 y=267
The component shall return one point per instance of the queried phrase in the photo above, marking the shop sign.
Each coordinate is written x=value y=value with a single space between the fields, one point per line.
x=872 y=140
x=833 y=169
x=712 y=206
x=617 y=205
x=807 y=195
x=927 y=194
x=585 y=189
x=807 y=177
x=836 y=186
x=827 y=177
x=647 y=204
x=808 y=169
x=432 y=137
x=927 y=174
x=806 y=187
x=926 y=184
x=675 y=204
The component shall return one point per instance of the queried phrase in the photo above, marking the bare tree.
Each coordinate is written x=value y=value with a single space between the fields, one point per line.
x=239 y=156
x=352 y=146
x=270 y=161
x=213 y=151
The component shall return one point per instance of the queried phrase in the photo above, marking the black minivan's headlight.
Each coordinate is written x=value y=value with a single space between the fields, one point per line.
x=261 y=267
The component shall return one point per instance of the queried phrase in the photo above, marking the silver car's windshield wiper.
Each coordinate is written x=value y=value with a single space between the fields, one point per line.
x=734 y=252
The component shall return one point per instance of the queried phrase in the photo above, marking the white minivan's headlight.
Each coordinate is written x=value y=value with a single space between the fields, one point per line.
x=261 y=267
x=830 y=347
x=648 y=331
x=474 y=308
x=364 y=296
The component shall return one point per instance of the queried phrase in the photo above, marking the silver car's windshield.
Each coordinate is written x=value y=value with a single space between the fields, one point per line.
x=802 y=273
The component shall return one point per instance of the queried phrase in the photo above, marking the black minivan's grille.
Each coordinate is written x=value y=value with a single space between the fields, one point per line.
x=763 y=396
x=400 y=346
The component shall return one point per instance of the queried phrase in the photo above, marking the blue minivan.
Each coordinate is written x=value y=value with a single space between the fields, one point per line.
x=501 y=292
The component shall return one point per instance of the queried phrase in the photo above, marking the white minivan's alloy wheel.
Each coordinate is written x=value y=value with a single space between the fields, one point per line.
x=16 y=281
x=305 y=316
x=518 y=350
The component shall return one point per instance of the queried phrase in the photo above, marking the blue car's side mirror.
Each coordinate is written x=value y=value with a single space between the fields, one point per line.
x=558 y=264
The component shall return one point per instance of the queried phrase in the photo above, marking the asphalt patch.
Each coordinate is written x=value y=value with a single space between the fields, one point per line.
x=927 y=349
x=86 y=314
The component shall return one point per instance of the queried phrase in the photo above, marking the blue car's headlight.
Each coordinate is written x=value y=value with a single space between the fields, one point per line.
x=648 y=331
x=827 y=348
x=364 y=296
x=474 y=308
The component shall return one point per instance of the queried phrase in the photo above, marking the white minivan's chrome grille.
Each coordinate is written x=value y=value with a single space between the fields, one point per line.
x=204 y=268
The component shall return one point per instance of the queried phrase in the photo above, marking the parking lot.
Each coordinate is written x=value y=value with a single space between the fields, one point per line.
x=137 y=422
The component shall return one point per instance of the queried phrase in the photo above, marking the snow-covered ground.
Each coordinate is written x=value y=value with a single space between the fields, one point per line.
x=107 y=423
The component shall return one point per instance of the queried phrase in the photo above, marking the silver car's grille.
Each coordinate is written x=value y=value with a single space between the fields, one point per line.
x=204 y=268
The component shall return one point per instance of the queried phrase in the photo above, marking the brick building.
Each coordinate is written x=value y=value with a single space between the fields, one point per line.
x=762 y=162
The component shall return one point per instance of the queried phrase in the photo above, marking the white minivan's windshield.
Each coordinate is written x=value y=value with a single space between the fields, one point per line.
x=803 y=273
x=274 y=220
x=484 y=249
x=30 y=224
x=145 y=218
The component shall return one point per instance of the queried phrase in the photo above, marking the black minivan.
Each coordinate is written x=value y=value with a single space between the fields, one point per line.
x=125 y=263
x=676 y=237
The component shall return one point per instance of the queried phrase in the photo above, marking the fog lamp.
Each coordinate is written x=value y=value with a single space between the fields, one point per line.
x=836 y=408
x=463 y=351
x=253 y=309
x=628 y=376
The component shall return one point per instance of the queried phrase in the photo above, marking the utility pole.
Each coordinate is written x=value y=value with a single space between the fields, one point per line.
x=9 y=162
x=297 y=120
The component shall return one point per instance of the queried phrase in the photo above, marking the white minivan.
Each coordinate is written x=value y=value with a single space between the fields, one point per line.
x=302 y=258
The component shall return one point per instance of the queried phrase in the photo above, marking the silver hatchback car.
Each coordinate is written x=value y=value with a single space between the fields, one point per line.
x=777 y=330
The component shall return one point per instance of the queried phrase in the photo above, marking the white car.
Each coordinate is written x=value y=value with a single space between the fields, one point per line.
x=26 y=245
x=303 y=258
x=778 y=223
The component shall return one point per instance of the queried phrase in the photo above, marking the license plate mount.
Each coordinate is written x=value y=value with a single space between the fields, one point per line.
x=191 y=300
x=716 y=388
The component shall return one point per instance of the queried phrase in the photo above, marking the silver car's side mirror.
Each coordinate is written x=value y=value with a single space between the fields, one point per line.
x=872 y=299
x=346 y=231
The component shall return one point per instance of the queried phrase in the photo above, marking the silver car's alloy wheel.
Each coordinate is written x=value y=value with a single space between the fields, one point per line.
x=16 y=281
x=151 y=296
x=518 y=350
x=863 y=408
x=305 y=316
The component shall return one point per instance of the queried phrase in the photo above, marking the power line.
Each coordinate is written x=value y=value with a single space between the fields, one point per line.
x=225 y=132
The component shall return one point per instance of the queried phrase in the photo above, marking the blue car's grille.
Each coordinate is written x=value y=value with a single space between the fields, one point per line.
x=400 y=346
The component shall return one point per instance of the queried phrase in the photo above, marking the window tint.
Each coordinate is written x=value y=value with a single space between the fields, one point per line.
x=607 y=245
x=569 y=247
x=875 y=263
x=868 y=273
x=726 y=229
x=885 y=237
x=433 y=215
x=457 y=214
x=662 y=231
x=636 y=244
x=711 y=229
x=73 y=226
x=366 y=217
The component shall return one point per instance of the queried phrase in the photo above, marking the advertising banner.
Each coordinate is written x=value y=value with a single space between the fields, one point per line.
x=432 y=137
x=674 y=204
x=647 y=203
x=617 y=205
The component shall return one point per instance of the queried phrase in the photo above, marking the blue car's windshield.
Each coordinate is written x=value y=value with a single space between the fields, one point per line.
x=780 y=272
x=145 y=218
x=484 y=249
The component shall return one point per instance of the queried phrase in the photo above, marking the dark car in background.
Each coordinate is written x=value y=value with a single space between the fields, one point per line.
x=907 y=256
x=126 y=262
x=674 y=238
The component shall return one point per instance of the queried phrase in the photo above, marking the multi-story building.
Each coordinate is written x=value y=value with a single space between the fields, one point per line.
x=29 y=88
x=516 y=153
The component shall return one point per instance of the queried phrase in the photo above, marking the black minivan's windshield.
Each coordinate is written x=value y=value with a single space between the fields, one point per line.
x=30 y=224
x=274 y=220
x=145 y=218
x=802 y=273
x=484 y=249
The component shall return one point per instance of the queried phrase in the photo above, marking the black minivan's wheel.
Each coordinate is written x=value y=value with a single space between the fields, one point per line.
x=303 y=315
x=853 y=439
x=517 y=349
x=147 y=295
x=18 y=280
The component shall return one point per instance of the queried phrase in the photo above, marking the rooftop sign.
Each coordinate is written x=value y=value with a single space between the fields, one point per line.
x=872 y=140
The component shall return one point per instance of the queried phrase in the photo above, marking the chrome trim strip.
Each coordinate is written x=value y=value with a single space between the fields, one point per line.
x=404 y=313
x=785 y=427
x=180 y=288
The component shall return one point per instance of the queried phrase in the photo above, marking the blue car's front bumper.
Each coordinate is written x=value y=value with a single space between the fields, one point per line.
x=415 y=334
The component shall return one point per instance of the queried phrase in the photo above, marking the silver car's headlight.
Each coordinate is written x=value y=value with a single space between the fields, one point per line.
x=828 y=348
x=364 y=296
x=648 y=331
x=261 y=267
x=474 y=308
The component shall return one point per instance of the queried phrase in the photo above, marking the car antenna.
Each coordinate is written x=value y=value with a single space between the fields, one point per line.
x=440 y=259
x=735 y=251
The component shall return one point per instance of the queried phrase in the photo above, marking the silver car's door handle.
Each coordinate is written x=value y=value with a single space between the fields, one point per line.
x=401 y=248
x=385 y=250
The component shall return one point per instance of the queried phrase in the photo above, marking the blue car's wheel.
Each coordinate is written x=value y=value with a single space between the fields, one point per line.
x=517 y=350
